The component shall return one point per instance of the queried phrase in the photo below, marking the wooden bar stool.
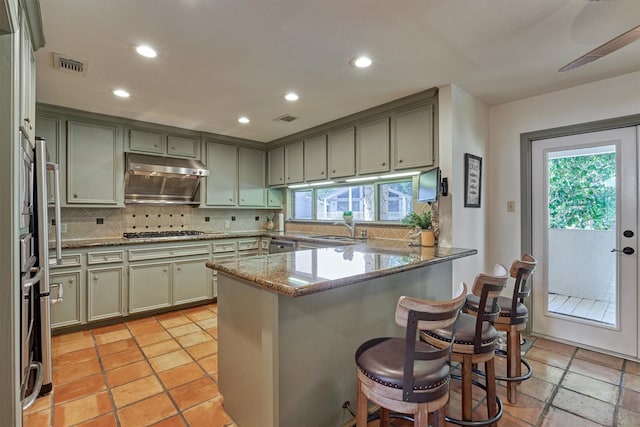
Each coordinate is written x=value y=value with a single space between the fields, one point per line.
x=404 y=374
x=474 y=342
x=512 y=320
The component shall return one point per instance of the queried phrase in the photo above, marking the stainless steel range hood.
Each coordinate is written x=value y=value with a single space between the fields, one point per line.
x=162 y=180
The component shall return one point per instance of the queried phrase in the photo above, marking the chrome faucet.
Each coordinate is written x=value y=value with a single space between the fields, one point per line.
x=351 y=227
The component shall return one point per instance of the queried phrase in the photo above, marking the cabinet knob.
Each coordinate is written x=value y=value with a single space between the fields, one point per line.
x=173 y=148
x=75 y=195
x=70 y=280
x=230 y=199
x=179 y=268
x=164 y=270
x=322 y=173
x=27 y=119
x=384 y=163
x=95 y=277
x=333 y=171
x=156 y=145
x=400 y=161
x=242 y=200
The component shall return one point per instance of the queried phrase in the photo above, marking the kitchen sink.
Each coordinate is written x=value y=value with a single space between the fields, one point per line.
x=336 y=238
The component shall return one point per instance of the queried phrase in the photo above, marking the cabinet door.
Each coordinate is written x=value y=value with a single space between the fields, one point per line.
x=276 y=166
x=51 y=130
x=223 y=175
x=146 y=142
x=413 y=138
x=182 y=147
x=191 y=281
x=315 y=158
x=149 y=286
x=251 y=177
x=294 y=163
x=94 y=164
x=373 y=146
x=342 y=153
x=67 y=311
x=104 y=293
x=274 y=197
x=27 y=83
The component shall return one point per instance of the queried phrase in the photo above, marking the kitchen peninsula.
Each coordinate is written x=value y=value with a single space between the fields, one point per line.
x=289 y=324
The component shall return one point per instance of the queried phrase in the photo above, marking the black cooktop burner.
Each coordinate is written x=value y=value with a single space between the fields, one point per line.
x=172 y=233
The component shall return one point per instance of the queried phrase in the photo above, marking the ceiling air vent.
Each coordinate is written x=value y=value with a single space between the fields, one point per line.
x=285 y=118
x=68 y=64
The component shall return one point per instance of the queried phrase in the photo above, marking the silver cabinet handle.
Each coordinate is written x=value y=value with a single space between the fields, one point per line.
x=60 y=298
x=27 y=283
x=56 y=209
x=28 y=400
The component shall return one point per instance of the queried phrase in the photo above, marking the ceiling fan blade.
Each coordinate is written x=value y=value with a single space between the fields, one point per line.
x=605 y=49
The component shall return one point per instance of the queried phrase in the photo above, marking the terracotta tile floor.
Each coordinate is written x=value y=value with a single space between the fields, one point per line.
x=162 y=371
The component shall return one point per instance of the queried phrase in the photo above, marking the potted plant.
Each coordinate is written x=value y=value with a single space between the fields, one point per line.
x=423 y=222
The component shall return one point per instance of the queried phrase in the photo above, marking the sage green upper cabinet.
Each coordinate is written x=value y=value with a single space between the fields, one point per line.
x=251 y=177
x=274 y=197
x=315 y=158
x=294 y=163
x=276 y=166
x=182 y=147
x=373 y=146
x=148 y=141
x=413 y=138
x=27 y=80
x=222 y=161
x=342 y=153
x=95 y=169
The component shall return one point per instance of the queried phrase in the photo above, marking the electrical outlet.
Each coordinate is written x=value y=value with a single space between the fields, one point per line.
x=511 y=206
x=99 y=221
x=257 y=218
x=63 y=227
x=233 y=217
x=207 y=218
x=227 y=224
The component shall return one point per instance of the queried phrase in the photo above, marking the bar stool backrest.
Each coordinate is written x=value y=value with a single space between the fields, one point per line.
x=418 y=314
x=488 y=288
x=521 y=270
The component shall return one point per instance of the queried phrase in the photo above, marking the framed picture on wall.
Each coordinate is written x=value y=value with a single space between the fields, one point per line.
x=472 y=180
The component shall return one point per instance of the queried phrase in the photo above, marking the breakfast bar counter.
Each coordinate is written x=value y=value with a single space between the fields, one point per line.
x=289 y=324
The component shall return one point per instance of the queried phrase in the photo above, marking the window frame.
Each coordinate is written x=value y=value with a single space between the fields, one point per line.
x=376 y=199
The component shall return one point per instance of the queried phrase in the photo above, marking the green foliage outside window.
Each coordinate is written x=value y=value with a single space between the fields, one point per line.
x=582 y=193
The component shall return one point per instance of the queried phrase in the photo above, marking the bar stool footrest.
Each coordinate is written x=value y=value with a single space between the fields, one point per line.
x=521 y=377
x=478 y=423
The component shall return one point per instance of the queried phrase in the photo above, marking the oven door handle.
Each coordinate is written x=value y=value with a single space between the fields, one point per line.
x=28 y=283
x=28 y=400
x=56 y=209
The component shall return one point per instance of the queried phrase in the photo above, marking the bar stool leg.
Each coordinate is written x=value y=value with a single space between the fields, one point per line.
x=385 y=420
x=514 y=368
x=490 y=371
x=361 y=410
x=467 y=377
x=421 y=417
x=436 y=419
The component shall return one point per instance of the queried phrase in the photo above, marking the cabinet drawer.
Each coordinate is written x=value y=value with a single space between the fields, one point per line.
x=224 y=247
x=247 y=254
x=167 y=252
x=104 y=257
x=246 y=245
x=68 y=260
x=225 y=257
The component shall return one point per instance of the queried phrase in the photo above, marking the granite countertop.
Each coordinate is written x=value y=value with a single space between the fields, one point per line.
x=310 y=271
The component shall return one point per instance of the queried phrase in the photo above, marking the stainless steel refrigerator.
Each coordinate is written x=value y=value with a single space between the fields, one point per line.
x=34 y=261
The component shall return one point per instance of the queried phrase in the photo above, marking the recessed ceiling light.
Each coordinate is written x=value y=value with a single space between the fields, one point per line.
x=291 y=96
x=146 y=51
x=362 y=62
x=244 y=120
x=121 y=93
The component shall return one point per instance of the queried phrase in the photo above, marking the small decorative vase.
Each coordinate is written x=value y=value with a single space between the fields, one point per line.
x=427 y=238
x=347 y=218
x=268 y=225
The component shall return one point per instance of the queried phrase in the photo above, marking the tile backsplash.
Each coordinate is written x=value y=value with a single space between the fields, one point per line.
x=90 y=223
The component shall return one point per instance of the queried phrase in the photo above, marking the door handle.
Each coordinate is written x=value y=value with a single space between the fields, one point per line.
x=627 y=250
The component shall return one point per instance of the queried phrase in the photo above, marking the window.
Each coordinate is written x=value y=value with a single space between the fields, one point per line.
x=383 y=201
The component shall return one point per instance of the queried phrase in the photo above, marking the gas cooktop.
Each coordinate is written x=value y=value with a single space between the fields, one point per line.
x=170 y=233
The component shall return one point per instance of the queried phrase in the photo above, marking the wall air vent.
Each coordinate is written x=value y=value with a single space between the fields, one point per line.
x=285 y=118
x=68 y=64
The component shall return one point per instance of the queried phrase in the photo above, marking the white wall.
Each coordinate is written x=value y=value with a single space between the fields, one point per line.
x=615 y=97
x=463 y=129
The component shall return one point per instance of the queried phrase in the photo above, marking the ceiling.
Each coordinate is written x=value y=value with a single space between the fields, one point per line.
x=222 y=59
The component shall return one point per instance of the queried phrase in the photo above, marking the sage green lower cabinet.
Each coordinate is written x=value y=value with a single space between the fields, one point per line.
x=149 y=286
x=105 y=287
x=67 y=311
x=191 y=281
